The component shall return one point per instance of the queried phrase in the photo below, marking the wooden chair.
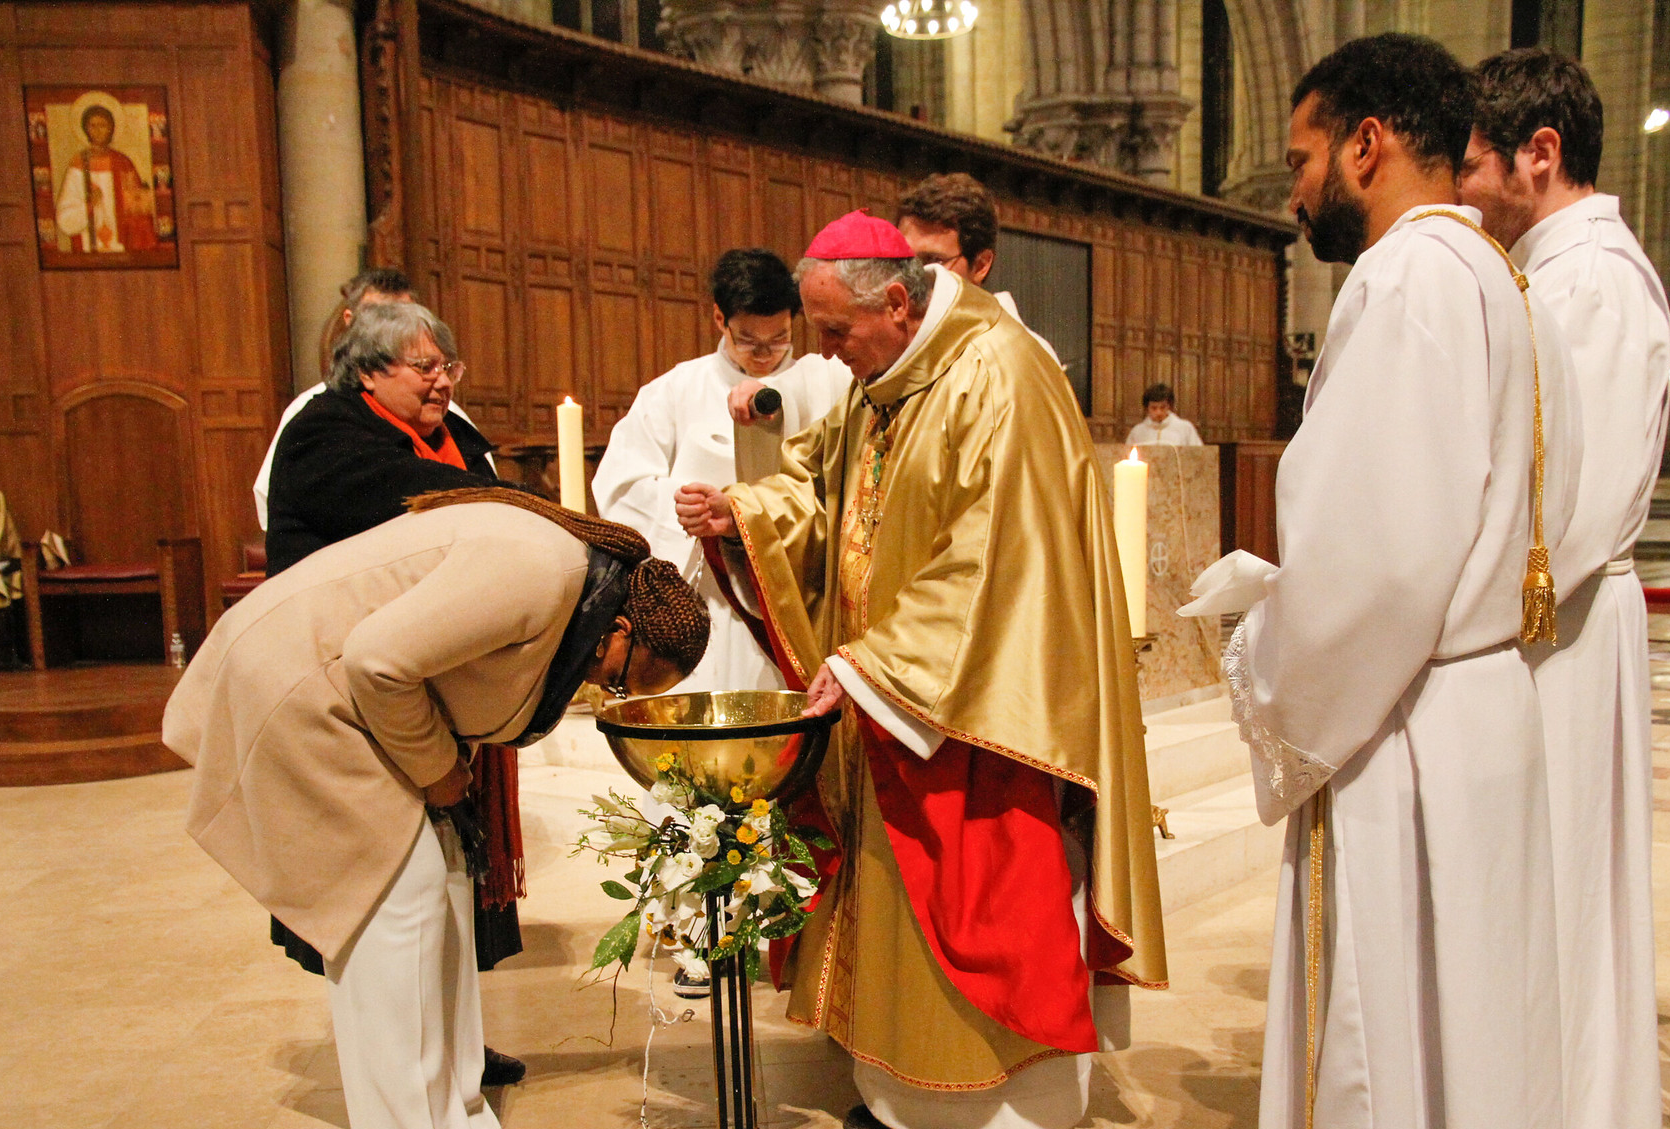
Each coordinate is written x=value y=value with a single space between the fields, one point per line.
x=176 y=578
x=253 y=573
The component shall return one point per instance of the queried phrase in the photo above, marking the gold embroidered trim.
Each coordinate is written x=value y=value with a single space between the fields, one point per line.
x=1314 y=921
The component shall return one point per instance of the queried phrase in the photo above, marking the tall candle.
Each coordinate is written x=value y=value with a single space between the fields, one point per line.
x=1130 y=533
x=571 y=455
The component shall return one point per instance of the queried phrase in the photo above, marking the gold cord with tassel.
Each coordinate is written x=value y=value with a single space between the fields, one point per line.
x=1314 y=922
x=1537 y=623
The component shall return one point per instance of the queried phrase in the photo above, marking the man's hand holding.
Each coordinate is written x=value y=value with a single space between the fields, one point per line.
x=741 y=402
x=704 y=511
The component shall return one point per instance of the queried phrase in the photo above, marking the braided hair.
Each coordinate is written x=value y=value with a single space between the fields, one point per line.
x=665 y=612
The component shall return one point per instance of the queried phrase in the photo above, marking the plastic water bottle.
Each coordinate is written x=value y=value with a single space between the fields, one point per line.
x=177 y=651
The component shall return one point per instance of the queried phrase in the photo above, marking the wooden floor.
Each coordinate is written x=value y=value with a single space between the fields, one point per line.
x=75 y=724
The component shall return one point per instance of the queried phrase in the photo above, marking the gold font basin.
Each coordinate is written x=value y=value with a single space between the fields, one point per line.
x=752 y=740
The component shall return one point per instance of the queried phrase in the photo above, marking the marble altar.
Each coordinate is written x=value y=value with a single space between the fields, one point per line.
x=1182 y=666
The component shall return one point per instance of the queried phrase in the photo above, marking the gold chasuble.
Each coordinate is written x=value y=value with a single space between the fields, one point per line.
x=946 y=531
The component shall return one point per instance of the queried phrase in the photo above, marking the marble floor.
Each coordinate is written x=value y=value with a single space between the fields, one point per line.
x=137 y=989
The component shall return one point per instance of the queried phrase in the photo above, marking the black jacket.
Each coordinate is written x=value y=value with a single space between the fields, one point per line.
x=341 y=469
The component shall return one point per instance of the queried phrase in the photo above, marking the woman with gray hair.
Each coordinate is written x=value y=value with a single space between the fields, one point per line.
x=379 y=434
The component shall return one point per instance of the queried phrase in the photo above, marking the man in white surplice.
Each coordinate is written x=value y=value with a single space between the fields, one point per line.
x=1382 y=667
x=685 y=427
x=1531 y=168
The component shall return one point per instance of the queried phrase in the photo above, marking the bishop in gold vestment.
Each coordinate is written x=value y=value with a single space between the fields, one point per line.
x=939 y=552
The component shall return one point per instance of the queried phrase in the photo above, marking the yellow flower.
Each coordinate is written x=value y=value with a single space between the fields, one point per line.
x=664 y=762
x=741 y=886
x=746 y=834
x=733 y=857
x=737 y=794
x=760 y=808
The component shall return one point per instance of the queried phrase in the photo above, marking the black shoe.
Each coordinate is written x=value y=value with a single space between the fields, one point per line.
x=688 y=987
x=860 y=1117
x=501 y=1069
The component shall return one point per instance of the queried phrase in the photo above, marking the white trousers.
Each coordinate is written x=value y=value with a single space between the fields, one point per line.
x=405 y=1000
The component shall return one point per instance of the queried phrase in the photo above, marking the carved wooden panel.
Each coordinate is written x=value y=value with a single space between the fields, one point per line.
x=611 y=221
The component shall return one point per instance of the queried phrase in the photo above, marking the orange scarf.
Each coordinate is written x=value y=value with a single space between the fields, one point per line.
x=448 y=451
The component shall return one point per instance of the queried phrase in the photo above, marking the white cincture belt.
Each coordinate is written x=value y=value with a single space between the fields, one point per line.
x=1620 y=566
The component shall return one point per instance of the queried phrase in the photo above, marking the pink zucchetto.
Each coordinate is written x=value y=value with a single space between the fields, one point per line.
x=859 y=235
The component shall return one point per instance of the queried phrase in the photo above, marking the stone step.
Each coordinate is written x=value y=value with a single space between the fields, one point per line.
x=1219 y=843
x=1191 y=748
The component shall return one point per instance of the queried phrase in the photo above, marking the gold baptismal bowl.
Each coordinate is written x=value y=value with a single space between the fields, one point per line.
x=752 y=740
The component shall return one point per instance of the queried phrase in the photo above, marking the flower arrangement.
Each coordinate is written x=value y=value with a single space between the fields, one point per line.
x=744 y=853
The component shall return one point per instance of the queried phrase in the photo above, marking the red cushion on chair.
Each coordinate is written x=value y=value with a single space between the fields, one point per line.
x=1658 y=599
x=80 y=574
x=255 y=556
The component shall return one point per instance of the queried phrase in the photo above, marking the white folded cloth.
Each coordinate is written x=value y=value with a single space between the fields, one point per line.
x=1229 y=585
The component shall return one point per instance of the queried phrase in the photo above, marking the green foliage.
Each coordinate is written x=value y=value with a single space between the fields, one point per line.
x=619 y=943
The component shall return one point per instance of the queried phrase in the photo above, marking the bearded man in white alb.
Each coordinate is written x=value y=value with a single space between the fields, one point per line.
x=691 y=423
x=1381 y=682
x=1530 y=169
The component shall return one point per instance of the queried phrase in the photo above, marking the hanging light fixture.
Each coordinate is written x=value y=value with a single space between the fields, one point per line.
x=929 y=19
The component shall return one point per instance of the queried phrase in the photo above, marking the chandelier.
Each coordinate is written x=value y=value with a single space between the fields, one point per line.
x=929 y=19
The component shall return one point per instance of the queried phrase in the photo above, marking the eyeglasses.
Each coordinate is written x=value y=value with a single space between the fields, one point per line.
x=760 y=348
x=618 y=686
x=929 y=259
x=433 y=368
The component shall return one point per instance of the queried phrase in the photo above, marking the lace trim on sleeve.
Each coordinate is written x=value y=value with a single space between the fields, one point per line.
x=1284 y=776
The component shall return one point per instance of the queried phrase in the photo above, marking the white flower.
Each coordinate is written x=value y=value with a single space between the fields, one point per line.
x=704 y=830
x=757 y=879
x=804 y=887
x=669 y=793
x=692 y=965
x=678 y=870
x=678 y=910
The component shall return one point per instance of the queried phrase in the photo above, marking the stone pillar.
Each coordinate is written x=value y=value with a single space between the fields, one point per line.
x=1104 y=85
x=813 y=46
x=321 y=168
x=843 y=43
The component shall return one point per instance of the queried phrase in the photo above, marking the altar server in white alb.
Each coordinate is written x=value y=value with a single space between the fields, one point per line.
x=1382 y=680
x=1531 y=169
x=685 y=426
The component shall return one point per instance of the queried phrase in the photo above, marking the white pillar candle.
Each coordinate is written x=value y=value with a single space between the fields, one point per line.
x=1130 y=533
x=571 y=455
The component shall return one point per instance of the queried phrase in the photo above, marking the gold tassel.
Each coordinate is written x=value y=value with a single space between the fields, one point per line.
x=1537 y=623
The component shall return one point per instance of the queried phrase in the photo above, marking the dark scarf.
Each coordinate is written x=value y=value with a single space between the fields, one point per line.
x=601 y=600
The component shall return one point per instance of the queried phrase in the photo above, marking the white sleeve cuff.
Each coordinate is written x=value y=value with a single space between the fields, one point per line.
x=923 y=740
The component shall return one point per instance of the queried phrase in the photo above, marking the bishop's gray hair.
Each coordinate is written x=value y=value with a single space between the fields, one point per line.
x=380 y=335
x=868 y=279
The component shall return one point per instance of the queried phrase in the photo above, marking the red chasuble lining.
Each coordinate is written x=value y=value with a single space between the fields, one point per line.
x=978 y=843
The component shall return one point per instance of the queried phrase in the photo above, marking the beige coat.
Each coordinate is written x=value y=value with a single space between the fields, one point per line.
x=323 y=702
